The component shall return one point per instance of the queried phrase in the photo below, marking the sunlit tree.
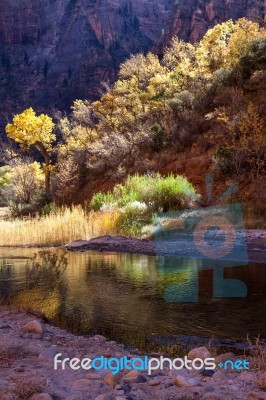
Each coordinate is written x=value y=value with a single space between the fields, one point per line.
x=34 y=132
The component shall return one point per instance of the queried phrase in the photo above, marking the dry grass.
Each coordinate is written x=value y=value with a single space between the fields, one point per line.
x=257 y=355
x=57 y=228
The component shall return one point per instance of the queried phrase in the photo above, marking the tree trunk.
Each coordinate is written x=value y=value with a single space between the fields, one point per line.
x=47 y=170
x=47 y=173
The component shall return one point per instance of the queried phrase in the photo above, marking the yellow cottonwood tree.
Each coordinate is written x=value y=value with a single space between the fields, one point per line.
x=223 y=45
x=32 y=131
x=246 y=139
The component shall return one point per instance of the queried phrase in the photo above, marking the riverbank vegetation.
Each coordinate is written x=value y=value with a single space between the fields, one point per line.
x=125 y=210
x=204 y=100
x=56 y=228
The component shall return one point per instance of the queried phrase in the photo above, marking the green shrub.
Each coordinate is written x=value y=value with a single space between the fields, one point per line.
x=157 y=192
x=97 y=201
x=141 y=196
x=132 y=219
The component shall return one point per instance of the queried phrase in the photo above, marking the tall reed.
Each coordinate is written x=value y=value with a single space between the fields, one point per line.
x=57 y=228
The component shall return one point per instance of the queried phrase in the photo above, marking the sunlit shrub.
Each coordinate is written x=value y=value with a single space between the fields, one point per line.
x=141 y=196
x=156 y=192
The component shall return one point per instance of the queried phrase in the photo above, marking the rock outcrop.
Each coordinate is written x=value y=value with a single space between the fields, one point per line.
x=192 y=18
x=52 y=52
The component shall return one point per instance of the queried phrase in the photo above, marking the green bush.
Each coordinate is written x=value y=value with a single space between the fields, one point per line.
x=132 y=218
x=97 y=201
x=157 y=192
x=141 y=196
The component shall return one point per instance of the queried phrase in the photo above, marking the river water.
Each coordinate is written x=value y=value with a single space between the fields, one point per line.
x=126 y=297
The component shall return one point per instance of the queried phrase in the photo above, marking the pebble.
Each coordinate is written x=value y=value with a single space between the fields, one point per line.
x=154 y=382
x=183 y=382
x=132 y=375
x=100 y=338
x=199 y=352
x=140 y=379
x=207 y=372
x=111 y=379
x=33 y=326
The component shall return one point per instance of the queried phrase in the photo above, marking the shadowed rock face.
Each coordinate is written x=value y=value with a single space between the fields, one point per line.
x=54 y=51
x=192 y=18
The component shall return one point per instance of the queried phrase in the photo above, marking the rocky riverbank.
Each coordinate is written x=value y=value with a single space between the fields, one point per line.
x=255 y=241
x=28 y=346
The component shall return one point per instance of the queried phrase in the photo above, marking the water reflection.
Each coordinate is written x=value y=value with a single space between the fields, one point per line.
x=123 y=296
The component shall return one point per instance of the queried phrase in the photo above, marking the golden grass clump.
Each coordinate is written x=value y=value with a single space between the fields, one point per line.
x=57 y=228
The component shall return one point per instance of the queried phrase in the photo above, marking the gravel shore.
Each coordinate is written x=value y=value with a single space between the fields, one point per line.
x=28 y=346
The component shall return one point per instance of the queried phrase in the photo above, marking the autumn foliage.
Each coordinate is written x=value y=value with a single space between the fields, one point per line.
x=209 y=95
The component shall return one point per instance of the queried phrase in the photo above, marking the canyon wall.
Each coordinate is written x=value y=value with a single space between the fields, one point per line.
x=54 y=51
x=192 y=18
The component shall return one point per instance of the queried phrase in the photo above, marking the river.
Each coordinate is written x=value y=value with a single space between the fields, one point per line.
x=136 y=299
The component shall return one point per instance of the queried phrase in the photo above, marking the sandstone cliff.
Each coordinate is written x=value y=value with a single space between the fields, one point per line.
x=192 y=18
x=54 y=51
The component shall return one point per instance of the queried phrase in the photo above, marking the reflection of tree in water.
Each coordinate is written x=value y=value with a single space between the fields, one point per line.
x=122 y=296
x=42 y=285
x=6 y=281
x=45 y=271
